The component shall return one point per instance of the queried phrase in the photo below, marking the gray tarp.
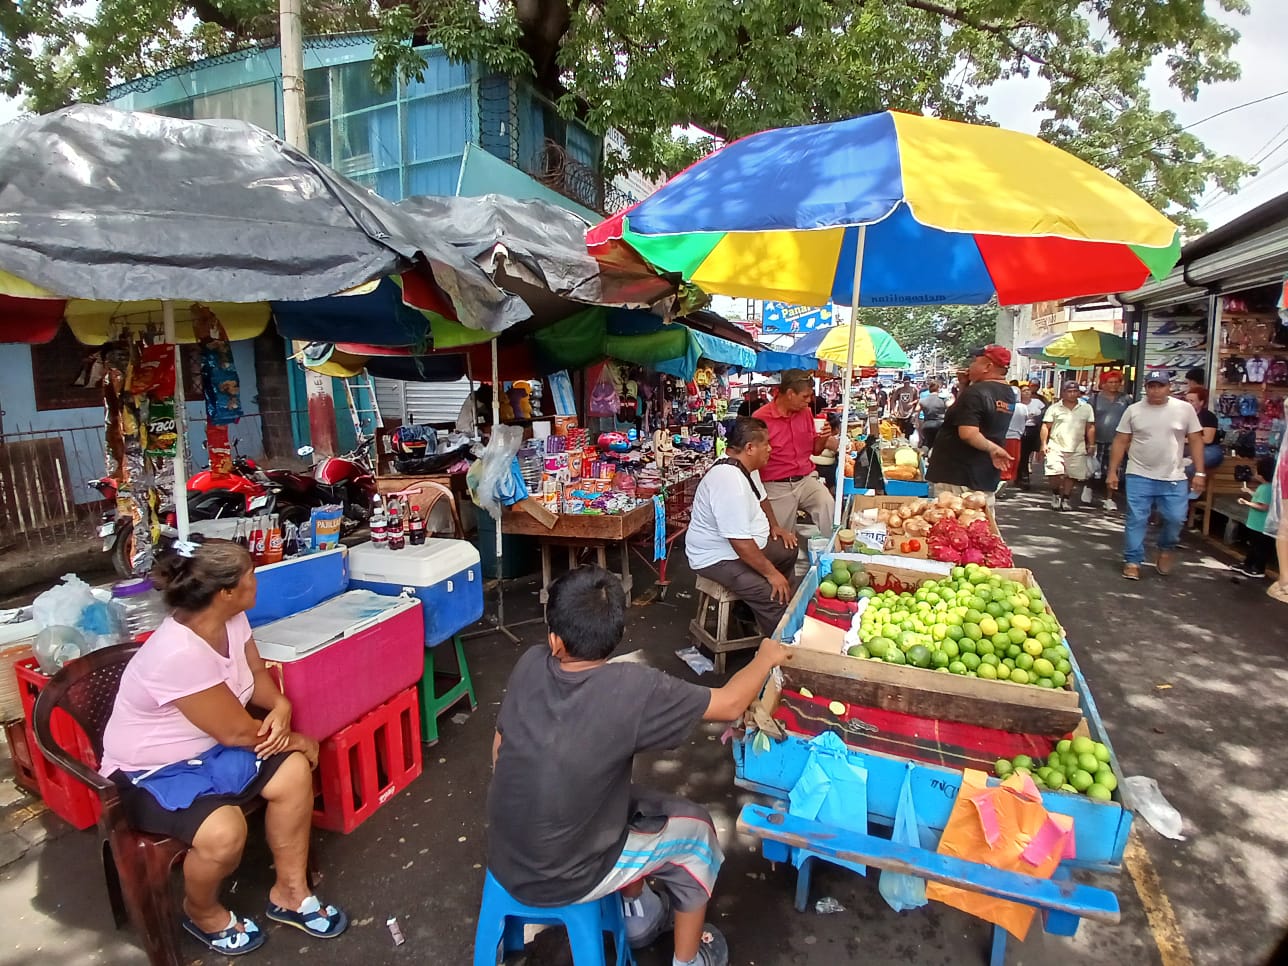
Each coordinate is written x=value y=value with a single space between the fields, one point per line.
x=109 y=205
x=534 y=244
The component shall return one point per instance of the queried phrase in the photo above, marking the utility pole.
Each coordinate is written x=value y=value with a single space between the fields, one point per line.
x=322 y=424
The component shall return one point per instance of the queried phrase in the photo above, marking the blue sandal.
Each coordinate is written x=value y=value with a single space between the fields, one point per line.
x=240 y=937
x=323 y=922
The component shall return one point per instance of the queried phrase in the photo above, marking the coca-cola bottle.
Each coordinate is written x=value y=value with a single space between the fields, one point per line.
x=415 y=527
x=239 y=535
x=396 y=539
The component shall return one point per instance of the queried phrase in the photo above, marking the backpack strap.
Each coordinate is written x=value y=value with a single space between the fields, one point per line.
x=730 y=461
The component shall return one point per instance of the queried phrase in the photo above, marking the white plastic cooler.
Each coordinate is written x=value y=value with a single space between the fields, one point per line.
x=445 y=575
x=344 y=657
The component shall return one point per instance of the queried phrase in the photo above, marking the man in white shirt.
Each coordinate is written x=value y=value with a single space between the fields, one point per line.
x=733 y=537
x=1068 y=435
x=1152 y=436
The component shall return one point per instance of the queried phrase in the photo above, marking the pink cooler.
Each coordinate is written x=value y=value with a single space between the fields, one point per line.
x=344 y=657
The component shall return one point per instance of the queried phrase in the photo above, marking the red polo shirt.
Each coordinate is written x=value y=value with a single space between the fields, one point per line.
x=791 y=439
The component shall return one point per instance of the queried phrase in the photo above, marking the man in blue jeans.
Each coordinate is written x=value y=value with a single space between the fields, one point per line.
x=1153 y=435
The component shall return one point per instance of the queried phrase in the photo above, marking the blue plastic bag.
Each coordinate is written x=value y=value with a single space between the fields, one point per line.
x=833 y=790
x=900 y=890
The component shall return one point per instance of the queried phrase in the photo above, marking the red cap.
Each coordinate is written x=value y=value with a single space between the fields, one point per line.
x=999 y=355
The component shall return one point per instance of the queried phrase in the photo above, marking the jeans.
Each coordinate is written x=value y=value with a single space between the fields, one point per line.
x=1171 y=497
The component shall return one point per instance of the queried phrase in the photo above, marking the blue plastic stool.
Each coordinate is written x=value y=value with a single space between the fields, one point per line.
x=502 y=918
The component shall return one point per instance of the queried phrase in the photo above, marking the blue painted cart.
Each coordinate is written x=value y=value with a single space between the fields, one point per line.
x=1100 y=828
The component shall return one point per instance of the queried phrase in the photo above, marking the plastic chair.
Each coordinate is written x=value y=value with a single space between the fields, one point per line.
x=137 y=865
x=502 y=918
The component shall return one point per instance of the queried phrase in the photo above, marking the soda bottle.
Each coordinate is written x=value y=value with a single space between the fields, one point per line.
x=396 y=539
x=273 y=541
x=255 y=543
x=415 y=527
x=239 y=535
x=379 y=529
x=290 y=540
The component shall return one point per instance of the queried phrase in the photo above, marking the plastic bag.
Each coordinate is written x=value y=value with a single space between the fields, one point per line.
x=833 y=790
x=72 y=604
x=900 y=890
x=63 y=604
x=324 y=526
x=493 y=484
x=1093 y=466
x=604 y=400
x=1145 y=798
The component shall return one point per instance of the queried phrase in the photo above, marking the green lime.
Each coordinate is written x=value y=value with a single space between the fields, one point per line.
x=1024 y=662
x=1003 y=672
x=956 y=667
x=1022 y=761
x=973 y=631
x=1057 y=679
x=1016 y=636
x=895 y=656
x=1081 y=780
x=1043 y=668
x=1063 y=666
x=1088 y=762
x=1056 y=778
x=966 y=646
x=1099 y=793
x=919 y=655
x=1045 y=683
x=950 y=648
x=971 y=661
x=989 y=659
x=984 y=646
x=939 y=659
x=859 y=651
x=1019 y=676
x=1107 y=779
x=1064 y=746
x=1002 y=768
x=1101 y=752
x=987 y=671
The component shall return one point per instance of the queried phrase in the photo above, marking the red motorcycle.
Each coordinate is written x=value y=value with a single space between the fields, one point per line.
x=348 y=481
x=245 y=492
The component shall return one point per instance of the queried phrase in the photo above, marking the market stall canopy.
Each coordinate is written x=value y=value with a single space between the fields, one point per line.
x=769 y=360
x=535 y=248
x=122 y=207
x=580 y=340
x=955 y=214
x=873 y=347
x=1035 y=347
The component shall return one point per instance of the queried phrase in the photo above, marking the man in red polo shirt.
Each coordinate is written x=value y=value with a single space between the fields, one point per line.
x=791 y=482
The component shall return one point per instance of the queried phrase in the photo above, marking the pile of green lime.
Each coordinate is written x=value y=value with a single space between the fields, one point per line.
x=847 y=581
x=1077 y=765
x=972 y=622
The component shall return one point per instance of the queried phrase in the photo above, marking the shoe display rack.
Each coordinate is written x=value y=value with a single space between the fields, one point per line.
x=1252 y=374
x=1176 y=341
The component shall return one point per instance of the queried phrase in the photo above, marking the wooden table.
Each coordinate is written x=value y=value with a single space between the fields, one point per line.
x=582 y=531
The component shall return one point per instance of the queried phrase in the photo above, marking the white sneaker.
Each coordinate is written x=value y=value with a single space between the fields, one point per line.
x=1064 y=504
x=1055 y=501
x=1110 y=506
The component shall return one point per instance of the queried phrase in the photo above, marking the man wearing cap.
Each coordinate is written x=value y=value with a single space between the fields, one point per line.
x=970 y=450
x=791 y=482
x=903 y=401
x=1152 y=436
x=1068 y=435
x=1109 y=404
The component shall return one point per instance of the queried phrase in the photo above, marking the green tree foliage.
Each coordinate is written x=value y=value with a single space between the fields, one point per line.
x=723 y=67
x=943 y=332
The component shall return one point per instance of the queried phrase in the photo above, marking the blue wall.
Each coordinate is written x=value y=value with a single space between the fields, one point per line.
x=82 y=429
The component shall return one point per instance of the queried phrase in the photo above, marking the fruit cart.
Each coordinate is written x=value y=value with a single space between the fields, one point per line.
x=900 y=722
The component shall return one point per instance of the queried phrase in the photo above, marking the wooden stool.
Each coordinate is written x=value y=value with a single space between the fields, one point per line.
x=712 y=595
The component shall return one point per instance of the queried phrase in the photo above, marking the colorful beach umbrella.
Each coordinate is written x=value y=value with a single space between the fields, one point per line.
x=873 y=348
x=897 y=209
x=1085 y=347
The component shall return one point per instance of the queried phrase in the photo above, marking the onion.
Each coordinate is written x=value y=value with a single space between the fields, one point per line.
x=976 y=501
x=946 y=499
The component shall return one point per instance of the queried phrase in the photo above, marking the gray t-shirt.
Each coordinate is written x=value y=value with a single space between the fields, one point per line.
x=1109 y=413
x=1158 y=438
x=559 y=803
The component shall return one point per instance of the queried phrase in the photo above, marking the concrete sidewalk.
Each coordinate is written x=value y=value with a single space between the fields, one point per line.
x=1189 y=673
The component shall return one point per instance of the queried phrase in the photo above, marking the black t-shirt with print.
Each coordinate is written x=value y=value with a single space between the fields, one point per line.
x=988 y=407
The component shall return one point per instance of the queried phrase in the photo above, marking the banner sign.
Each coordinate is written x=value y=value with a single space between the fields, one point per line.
x=781 y=317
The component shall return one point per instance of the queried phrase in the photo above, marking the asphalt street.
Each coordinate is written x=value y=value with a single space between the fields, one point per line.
x=1191 y=676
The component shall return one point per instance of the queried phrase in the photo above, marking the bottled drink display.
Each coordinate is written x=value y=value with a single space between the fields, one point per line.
x=415 y=527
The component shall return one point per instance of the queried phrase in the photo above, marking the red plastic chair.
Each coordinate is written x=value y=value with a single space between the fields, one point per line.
x=138 y=865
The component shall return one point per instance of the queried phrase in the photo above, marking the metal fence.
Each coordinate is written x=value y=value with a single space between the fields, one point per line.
x=45 y=498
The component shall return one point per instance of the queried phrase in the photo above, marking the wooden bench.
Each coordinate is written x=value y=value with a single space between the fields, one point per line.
x=717 y=601
x=1062 y=902
x=1220 y=482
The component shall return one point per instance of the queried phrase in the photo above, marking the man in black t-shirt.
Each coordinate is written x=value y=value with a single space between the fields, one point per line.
x=565 y=824
x=970 y=450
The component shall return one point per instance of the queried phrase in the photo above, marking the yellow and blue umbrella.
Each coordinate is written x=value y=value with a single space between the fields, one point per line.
x=1085 y=347
x=896 y=209
x=925 y=211
x=874 y=348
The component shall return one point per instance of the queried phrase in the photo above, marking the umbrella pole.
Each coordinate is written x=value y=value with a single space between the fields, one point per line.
x=847 y=377
x=500 y=583
x=180 y=425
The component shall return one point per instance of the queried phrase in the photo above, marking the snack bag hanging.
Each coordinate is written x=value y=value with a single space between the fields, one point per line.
x=1007 y=827
x=162 y=432
x=218 y=372
x=153 y=375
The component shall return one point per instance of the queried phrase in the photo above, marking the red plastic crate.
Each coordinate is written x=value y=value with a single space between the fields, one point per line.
x=24 y=772
x=365 y=764
x=66 y=796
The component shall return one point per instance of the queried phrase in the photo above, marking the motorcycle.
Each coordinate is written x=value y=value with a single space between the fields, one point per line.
x=348 y=481
x=245 y=492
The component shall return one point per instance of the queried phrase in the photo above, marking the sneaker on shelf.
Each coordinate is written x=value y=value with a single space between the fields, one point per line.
x=1167 y=328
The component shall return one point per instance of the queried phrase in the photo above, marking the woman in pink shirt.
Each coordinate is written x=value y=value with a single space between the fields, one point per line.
x=186 y=754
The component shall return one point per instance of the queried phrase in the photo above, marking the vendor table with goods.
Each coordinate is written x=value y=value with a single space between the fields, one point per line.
x=934 y=724
x=612 y=490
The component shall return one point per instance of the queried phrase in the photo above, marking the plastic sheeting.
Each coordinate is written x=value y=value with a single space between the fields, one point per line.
x=109 y=205
x=539 y=244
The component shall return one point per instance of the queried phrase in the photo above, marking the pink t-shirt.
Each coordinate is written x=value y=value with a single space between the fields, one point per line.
x=146 y=730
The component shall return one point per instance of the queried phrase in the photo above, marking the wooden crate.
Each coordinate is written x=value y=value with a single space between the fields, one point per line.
x=925 y=692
